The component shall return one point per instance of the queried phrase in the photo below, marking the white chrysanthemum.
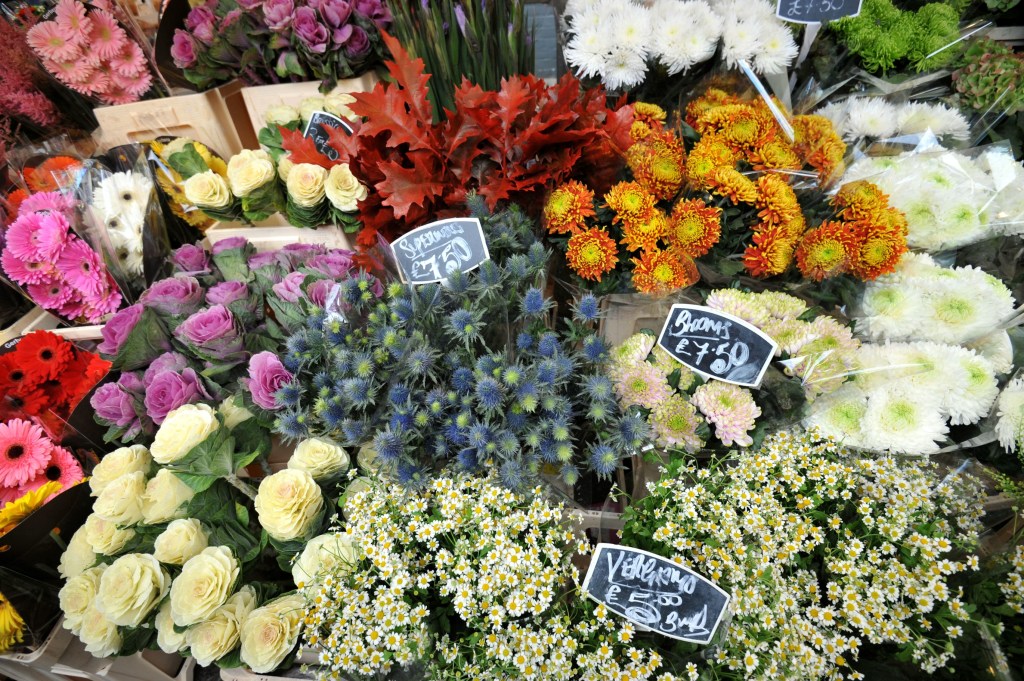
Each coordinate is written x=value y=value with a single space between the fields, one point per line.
x=840 y=415
x=914 y=264
x=890 y=312
x=902 y=420
x=778 y=48
x=624 y=68
x=941 y=120
x=587 y=53
x=758 y=11
x=975 y=390
x=956 y=311
x=685 y=33
x=873 y=366
x=962 y=222
x=631 y=28
x=928 y=368
x=997 y=348
x=870 y=117
x=741 y=39
x=1010 y=412
x=836 y=112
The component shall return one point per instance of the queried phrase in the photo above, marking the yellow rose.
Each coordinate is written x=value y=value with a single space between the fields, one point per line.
x=284 y=166
x=183 y=539
x=357 y=486
x=77 y=595
x=165 y=498
x=249 y=170
x=167 y=638
x=218 y=635
x=282 y=114
x=204 y=584
x=77 y=557
x=322 y=459
x=289 y=504
x=117 y=463
x=337 y=103
x=131 y=588
x=309 y=106
x=100 y=635
x=271 y=632
x=120 y=502
x=343 y=189
x=233 y=412
x=333 y=553
x=183 y=429
x=306 y=184
x=208 y=189
x=104 y=537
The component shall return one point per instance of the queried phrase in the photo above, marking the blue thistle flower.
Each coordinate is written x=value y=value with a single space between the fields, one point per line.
x=358 y=391
x=524 y=341
x=462 y=380
x=533 y=438
x=465 y=325
x=315 y=320
x=565 y=367
x=322 y=379
x=479 y=435
x=547 y=372
x=409 y=474
x=563 y=451
x=363 y=365
x=548 y=450
x=440 y=449
x=603 y=460
x=420 y=362
x=508 y=443
x=389 y=446
x=401 y=420
x=486 y=364
x=538 y=255
x=343 y=361
x=354 y=431
x=399 y=394
x=292 y=362
x=560 y=430
x=297 y=343
x=335 y=332
x=489 y=273
x=403 y=310
x=527 y=396
x=516 y=419
x=549 y=345
x=633 y=430
x=586 y=308
x=511 y=475
x=594 y=349
x=467 y=459
x=292 y=426
x=600 y=410
x=599 y=387
x=458 y=283
x=570 y=474
x=333 y=415
x=518 y=266
x=533 y=302
x=490 y=394
x=453 y=433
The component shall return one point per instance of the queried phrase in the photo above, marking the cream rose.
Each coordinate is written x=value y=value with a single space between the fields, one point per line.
x=248 y=170
x=335 y=553
x=337 y=103
x=117 y=463
x=289 y=504
x=217 y=636
x=282 y=114
x=165 y=498
x=204 y=584
x=77 y=557
x=233 y=412
x=183 y=539
x=183 y=429
x=309 y=106
x=306 y=184
x=360 y=484
x=167 y=638
x=104 y=536
x=100 y=635
x=131 y=588
x=284 y=167
x=77 y=595
x=343 y=189
x=120 y=502
x=271 y=632
x=322 y=459
x=208 y=189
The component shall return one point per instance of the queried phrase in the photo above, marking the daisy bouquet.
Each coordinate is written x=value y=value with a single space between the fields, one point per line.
x=56 y=268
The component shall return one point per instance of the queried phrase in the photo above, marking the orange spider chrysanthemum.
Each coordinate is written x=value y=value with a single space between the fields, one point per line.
x=650 y=114
x=770 y=254
x=877 y=251
x=694 y=228
x=795 y=228
x=860 y=199
x=747 y=128
x=658 y=164
x=630 y=201
x=658 y=271
x=819 y=145
x=709 y=153
x=568 y=208
x=733 y=185
x=775 y=154
x=644 y=234
x=825 y=251
x=591 y=253
x=776 y=200
x=892 y=219
x=639 y=130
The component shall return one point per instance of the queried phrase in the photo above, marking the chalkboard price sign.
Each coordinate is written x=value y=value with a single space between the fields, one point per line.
x=717 y=344
x=317 y=127
x=656 y=593
x=816 y=11
x=431 y=253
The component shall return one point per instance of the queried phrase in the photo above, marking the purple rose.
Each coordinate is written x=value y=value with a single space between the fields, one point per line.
x=115 y=332
x=319 y=290
x=212 y=332
x=169 y=361
x=311 y=32
x=289 y=289
x=228 y=244
x=266 y=376
x=174 y=296
x=227 y=292
x=335 y=264
x=358 y=44
x=114 y=405
x=191 y=259
x=170 y=391
x=183 y=50
x=278 y=14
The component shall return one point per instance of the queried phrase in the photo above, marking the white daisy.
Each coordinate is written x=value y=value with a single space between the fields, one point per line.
x=870 y=117
x=902 y=420
x=1010 y=412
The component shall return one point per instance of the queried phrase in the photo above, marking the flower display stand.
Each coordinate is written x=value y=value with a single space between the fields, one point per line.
x=258 y=99
x=274 y=233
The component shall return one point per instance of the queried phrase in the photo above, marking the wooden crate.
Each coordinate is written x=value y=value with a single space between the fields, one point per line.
x=261 y=98
x=275 y=233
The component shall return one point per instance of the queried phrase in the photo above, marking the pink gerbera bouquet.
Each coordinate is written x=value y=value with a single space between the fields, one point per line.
x=29 y=460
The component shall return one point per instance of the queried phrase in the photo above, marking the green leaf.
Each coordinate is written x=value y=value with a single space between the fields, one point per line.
x=188 y=162
x=251 y=441
x=215 y=505
x=135 y=639
x=232 y=660
x=146 y=341
x=211 y=459
x=242 y=513
x=301 y=216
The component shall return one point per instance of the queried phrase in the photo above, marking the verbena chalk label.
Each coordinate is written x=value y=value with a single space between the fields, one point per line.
x=655 y=593
x=816 y=11
x=717 y=344
x=431 y=253
x=317 y=127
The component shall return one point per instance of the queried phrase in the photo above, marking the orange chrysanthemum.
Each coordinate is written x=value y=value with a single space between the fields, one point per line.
x=694 y=228
x=712 y=98
x=770 y=254
x=658 y=164
x=794 y=228
x=776 y=200
x=630 y=201
x=819 y=145
x=644 y=234
x=650 y=114
x=639 y=130
x=774 y=154
x=568 y=208
x=52 y=174
x=591 y=253
x=709 y=153
x=893 y=219
x=826 y=250
x=658 y=271
x=733 y=185
x=745 y=127
x=859 y=200
x=877 y=251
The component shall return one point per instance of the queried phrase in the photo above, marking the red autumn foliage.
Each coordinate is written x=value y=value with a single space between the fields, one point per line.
x=512 y=145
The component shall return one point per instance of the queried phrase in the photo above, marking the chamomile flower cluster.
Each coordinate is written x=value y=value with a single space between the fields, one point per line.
x=467 y=578
x=951 y=199
x=1013 y=586
x=822 y=553
x=874 y=117
x=619 y=41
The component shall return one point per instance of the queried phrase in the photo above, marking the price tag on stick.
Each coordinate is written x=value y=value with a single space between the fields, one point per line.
x=717 y=345
x=431 y=253
x=317 y=127
x=656 y=593
x=816 y=11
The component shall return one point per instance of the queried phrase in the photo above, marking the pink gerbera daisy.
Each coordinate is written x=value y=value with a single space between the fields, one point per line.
x=65 y=70
x=54 y=43
x=24 y=452
x=115 y=94
x=82 y=268
x=71 y=17
x=130 y=61
x=38 y=236
x=51 y=295
x=24 y=271
x=74 y=309
x=62 y=467
x=97 y=83
x=136 y=85
x=107 y=38
x=98 y=307
x=48 y=201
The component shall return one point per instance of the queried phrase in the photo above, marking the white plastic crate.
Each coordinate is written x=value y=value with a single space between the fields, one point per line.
x=37 y=665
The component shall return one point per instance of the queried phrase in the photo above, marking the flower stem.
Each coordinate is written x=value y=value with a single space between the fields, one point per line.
x=244 y=487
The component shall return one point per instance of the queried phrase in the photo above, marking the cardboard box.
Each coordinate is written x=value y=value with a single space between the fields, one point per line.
x=261 y=98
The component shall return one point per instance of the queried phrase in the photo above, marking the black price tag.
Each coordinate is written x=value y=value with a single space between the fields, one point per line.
x=432 y=252
x=816 y=11
x=716 y=344
x=317 y=127
x=656 y=593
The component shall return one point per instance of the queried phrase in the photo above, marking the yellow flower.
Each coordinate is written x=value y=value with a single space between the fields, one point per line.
x=651 y=114
x=591 y=253
x=659 y=271
x=658 y=164
x=707 y=155
x=776 y=200
x=12 y=627
x=22 y=507
x=630 y=201
x=643 y=234
x=568 y=208
x=733 y=185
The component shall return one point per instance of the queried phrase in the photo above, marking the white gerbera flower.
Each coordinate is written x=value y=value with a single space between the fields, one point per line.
x=902 y=420
x=870 y=117
x=122 y=195
x=1010 y=412
x=997 y=348
x=778 y=48
x=941 y=120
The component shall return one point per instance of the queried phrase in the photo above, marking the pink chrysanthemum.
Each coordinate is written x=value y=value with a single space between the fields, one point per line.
x=82 y=268
x=24 y=452
x=675 y=422
x=731 y=408
x=54 y=43
x=48 y=201
x=107 y=38
x=62 y=467
x=25 y=272
x=38 y=236
x=643 y=384
x=130 y=61
x=71 y=18
x=51 y=295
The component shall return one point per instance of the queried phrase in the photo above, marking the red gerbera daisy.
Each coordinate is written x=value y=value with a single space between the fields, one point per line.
x=24 y=452
x=13 y=377
x=44 y=354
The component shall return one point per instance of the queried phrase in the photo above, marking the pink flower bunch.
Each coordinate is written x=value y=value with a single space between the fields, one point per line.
x=90 y=53
x=60 y=271
x=29 y=460
x=19 y=95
